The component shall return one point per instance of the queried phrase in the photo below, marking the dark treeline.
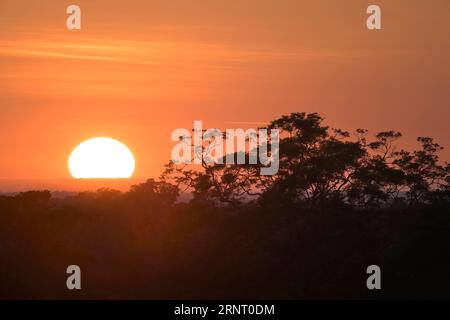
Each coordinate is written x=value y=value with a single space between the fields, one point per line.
x=340 y=202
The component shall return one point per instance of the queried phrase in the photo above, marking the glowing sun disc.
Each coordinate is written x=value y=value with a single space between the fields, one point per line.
x=101 y=158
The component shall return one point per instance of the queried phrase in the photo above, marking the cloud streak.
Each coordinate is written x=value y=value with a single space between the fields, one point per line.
x=159 y=53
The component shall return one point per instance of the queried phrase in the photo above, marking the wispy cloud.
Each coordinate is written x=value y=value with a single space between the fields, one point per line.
x=155 y=52
x=246 y=122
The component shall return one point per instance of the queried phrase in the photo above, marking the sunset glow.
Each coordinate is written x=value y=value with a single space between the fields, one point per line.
x=215 y=158
x=140 y=69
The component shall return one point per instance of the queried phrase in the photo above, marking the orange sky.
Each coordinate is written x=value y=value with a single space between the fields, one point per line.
x=138 y=69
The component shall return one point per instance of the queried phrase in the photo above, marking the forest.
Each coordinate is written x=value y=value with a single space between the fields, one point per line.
x=341 y=201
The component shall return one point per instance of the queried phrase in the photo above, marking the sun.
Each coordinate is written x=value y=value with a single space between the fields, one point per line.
x=101 y=158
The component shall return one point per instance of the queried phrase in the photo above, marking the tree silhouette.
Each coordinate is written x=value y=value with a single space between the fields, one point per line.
x=319 y=165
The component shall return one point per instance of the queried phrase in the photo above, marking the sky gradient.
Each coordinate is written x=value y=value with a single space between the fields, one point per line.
x=139 y=69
